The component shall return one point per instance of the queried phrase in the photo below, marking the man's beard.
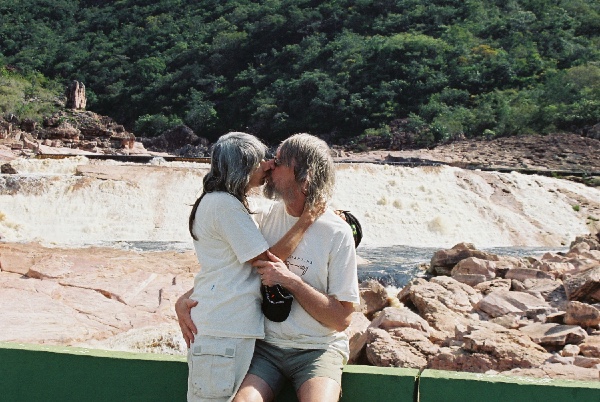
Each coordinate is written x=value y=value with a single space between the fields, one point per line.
x=269 y=190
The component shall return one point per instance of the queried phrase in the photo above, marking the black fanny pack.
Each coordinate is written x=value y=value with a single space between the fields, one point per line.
x=276 y=303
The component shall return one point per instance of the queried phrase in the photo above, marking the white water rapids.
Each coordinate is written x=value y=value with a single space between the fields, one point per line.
x=76 y=201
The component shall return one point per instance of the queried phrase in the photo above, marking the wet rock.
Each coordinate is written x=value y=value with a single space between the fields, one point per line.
x=7 y=169
x=443 y=261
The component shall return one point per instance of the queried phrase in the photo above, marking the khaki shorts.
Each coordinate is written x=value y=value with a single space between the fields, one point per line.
x=217 y=367
x=274 y=365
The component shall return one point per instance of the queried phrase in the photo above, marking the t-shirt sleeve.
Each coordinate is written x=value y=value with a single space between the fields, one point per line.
x=236 y=227
x=342 y=273
x=260 y=210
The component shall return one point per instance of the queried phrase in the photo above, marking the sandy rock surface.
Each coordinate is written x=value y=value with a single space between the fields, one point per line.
x=88 y=296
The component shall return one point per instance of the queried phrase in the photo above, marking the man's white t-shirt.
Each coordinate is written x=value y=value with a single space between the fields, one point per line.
x=227 y=288
x=326 y=260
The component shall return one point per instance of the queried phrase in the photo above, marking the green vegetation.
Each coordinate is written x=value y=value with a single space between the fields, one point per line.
x=575 y=208
x=337 y=69
x=28 y=97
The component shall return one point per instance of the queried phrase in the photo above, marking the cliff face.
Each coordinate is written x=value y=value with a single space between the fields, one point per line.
x=70 y=129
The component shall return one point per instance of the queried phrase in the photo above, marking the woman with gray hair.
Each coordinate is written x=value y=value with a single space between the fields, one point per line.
x=225 y=299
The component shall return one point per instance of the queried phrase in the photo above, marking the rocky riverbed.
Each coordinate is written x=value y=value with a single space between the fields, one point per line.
x=484 y=313
x=469 y=311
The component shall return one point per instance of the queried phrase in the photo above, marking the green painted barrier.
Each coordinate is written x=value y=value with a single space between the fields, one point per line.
x=450 y=386
x=52 y=373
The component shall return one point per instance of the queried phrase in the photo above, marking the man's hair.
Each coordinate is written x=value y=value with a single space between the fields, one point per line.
x=233 y=158
x=313 y=166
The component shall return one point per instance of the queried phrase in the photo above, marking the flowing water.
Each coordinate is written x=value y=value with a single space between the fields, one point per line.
x=406 y=213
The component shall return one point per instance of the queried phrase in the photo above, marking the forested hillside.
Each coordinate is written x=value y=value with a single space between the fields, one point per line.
x=436 y=69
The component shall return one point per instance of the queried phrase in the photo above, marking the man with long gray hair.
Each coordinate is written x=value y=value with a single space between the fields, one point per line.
x=309 y=347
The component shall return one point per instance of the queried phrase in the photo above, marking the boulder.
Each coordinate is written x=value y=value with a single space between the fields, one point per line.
x=443 y=261
x=504 y=302
x=592 y=240
x=555 y=268
x=475 y=266
x=493 y=285
x=590 y=347
x=584 y=286
x=385 y=351
x=551 y=334
x=522 y=274
x=357 y=336
x=506 y=348
x=570 y=350
x=582 y=314
x=393 y=317
x=373 y=297
x=443 y=302
x=416 y=339
x=550 y=290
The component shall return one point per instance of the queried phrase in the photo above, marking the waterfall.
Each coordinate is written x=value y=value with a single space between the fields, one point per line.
x=76 y=201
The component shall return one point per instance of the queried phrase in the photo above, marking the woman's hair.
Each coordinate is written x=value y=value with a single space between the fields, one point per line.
x=233 y=158
x=313 y=166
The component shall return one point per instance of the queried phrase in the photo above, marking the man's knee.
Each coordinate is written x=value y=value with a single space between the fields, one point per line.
x=322 y=389
x=254 y=389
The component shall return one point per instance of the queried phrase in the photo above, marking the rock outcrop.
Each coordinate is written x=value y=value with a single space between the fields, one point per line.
x=485 y=313
x=75 y=94
x=75 y=130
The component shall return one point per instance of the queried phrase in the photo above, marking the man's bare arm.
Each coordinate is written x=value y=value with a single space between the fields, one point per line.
x=326 y=309
x=288 y=243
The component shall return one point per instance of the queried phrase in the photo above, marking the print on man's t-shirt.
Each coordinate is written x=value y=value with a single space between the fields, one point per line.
x=299 y=264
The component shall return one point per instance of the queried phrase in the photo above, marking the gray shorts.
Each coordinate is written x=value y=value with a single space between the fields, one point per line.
x=274 y=364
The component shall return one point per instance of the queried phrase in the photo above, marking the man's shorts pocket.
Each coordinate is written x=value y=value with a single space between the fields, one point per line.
x=213 y=368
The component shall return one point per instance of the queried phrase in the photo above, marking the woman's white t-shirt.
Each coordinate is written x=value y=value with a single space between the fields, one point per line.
x=227 y=288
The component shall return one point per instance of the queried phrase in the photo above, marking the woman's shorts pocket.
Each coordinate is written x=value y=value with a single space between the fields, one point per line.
x=212 y=368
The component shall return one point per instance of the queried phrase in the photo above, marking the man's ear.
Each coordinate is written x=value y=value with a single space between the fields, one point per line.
x=304 y=187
